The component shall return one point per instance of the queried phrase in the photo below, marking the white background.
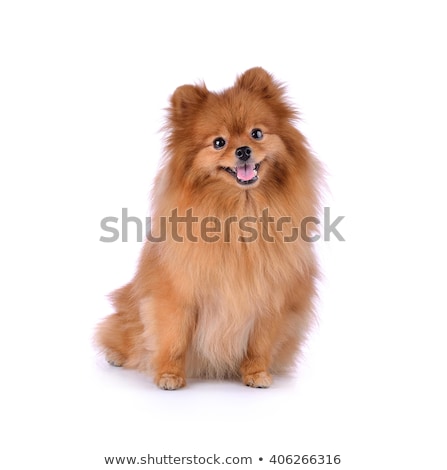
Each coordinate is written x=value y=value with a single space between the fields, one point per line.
x=83 y=87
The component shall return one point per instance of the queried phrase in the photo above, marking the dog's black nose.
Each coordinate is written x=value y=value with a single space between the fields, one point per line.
x=243 y=153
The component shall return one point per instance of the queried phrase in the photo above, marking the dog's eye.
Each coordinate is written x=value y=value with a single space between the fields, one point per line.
x=219 y=143
x=257 y=134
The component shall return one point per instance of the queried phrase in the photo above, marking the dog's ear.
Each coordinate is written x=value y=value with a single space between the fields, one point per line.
x=187 y=99
x=259 y=81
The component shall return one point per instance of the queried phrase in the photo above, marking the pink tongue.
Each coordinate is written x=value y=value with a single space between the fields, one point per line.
x=245 y=172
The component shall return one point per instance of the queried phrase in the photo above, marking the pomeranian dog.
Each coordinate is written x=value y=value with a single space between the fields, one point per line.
x=225 y=284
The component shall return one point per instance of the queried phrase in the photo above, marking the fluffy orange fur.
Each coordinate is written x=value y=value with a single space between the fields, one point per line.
x=227 y=307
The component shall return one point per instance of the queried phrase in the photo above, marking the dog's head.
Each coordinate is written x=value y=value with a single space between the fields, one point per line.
x=240 y=138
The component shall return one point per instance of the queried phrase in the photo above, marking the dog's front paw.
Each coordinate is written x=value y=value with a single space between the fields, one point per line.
x=168 y=381
x=258 y=380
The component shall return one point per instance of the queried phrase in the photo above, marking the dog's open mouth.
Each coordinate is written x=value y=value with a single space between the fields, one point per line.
x=245 y=173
